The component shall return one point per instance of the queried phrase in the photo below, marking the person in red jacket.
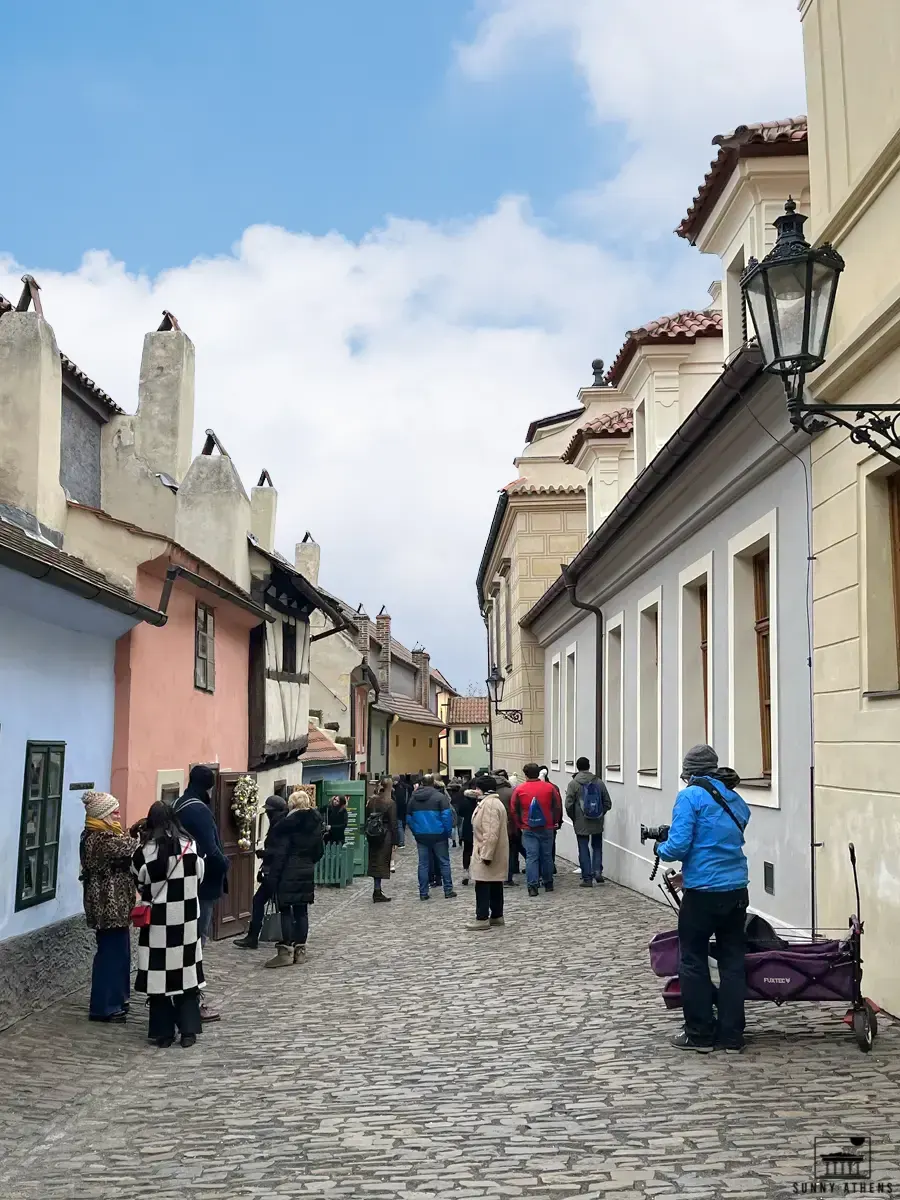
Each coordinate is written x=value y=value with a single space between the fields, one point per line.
x=535 y=809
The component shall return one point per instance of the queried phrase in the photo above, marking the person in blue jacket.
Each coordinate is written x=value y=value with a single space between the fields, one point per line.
x=707 y=837
x=430 y=819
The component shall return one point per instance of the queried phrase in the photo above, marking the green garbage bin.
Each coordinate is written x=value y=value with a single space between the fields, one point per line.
x=355 y=791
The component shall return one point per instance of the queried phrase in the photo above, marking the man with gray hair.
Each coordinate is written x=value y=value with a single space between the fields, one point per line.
x=707 y=837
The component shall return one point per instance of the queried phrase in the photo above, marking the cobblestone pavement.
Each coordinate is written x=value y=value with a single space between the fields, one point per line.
x=412 y=1059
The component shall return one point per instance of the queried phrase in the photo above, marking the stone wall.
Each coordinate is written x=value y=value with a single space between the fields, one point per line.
x=40 y=967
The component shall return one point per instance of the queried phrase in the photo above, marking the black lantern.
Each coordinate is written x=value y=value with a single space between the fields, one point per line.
x=495 y=686
x=791 y=296
x=486 y=737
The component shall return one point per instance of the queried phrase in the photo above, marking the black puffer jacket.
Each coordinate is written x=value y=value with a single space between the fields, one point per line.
x=293 y=848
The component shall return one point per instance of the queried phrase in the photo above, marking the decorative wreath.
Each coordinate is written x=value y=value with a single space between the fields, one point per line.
x=245 y=807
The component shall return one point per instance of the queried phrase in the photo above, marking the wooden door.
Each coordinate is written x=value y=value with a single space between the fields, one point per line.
x=232 y=913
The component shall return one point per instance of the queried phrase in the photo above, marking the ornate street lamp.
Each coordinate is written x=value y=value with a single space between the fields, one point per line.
x=790 y=295
x=495 y=685
x=486 y=737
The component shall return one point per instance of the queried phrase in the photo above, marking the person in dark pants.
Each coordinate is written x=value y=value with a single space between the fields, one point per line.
x=297 y=845
x=490 y=856
x=402 y=789
x=276 y=808
x=707 y=838
x=431 y=822
x=336 y=820
x=466 y=806
x=587 y=803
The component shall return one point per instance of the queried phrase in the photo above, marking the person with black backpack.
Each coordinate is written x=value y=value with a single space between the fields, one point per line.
x=707 y=837
x=381 y=834
x=587 y=803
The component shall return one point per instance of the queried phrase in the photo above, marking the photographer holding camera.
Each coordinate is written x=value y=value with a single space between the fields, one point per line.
x=707 y=837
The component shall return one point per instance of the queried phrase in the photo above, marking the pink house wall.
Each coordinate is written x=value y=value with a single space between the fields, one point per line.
x=164 y=723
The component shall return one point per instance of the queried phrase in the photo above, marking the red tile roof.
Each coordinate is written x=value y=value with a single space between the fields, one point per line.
x=615 y=424
x=682 y=328
x=406 y=709
x=320 y=748
x=468 y=710
x=747 y=141
x=522 y=487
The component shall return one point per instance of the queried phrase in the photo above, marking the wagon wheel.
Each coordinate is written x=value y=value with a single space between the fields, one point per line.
x=865 y=1026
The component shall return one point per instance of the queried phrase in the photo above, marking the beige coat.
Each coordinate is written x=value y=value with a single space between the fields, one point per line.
x=490 y=851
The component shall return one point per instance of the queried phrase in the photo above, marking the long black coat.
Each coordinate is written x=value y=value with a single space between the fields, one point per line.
x=380 y=852
x=295 y=847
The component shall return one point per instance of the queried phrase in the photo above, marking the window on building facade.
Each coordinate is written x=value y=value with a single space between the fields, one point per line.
x=763 y=656
x=431 y=743
x=649 y=690
x=460 y=737
x=881 y=548
x=289 y=647
x=695 y=660
x=205 y=650
x=555 y=697
x=614 y=697
x=383 y=742
x=571 y=702
x=169 y=793
x=752 y=701
x=39 y=828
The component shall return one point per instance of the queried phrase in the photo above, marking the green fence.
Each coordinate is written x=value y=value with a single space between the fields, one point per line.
x=335 y=868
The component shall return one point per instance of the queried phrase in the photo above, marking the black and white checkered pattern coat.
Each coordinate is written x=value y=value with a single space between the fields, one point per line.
x=169 y=951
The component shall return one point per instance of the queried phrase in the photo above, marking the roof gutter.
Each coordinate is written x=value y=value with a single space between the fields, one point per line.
x=744 y=369
x=599 y=748
x=499 y=514
x=174 y=571
x=58 y=577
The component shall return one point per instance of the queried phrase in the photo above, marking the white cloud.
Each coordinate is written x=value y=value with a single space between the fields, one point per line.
x=671 y=75
x=387 y=384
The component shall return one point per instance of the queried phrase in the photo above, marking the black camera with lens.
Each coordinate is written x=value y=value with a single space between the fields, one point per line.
x=654 y=833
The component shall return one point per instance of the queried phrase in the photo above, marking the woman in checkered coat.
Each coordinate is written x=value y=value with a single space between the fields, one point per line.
x=169 y=871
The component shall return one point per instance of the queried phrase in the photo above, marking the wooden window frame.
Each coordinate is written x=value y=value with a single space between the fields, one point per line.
x=762 y=593
x=43 y=841
x=556 y=724
x=289 y=647
x=458 y=733
x=204 y=648
x=649 y=691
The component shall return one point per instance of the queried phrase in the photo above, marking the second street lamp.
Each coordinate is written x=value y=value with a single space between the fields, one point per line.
x=495 y=686
x=791 y=295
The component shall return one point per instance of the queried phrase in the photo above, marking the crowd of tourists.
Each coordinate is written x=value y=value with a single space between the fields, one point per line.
x=165 y=874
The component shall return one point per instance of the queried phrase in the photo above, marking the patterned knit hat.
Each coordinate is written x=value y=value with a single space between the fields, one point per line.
x=99 y=804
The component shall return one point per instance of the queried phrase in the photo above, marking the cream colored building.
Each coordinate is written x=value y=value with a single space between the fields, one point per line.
x=852 y=51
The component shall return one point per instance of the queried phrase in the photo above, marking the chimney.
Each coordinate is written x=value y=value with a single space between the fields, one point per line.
x=422 y=661
x=263 y=507
x=383 y=636
x=164 y=421
x=364 y=625
x=307 y=555
x=212 y=515
x=31 y=418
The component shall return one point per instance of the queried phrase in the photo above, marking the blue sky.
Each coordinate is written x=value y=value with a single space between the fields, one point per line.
x=396 y=232
x=176 y=129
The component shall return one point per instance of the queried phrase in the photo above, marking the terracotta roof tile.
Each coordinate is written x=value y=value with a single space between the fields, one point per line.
x=468 y=710
x=442 y=680
x=681 y=328
x=768 y=137
x=75 y=372
x=522 y=487
x=320 y=748
x=617 y=424
x=406 y=709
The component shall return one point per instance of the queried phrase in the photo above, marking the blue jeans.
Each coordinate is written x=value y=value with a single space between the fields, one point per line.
x=111 y=973
x=441 y=852
x=590 y=855
x=538 y=844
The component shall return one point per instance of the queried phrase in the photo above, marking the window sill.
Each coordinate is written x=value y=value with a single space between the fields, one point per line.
x=570 y=762
x=649 y=771
x=764 y=784
x=892 y=694
x=614 y=767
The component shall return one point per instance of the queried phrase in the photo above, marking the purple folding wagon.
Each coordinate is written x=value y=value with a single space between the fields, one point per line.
x=816 y=970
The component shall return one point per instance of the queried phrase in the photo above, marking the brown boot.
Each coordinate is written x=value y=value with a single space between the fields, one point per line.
x=299 y=953
x=284 y=957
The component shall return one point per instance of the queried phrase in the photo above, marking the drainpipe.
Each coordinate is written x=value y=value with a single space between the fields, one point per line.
x=570 y=585
x=487 y=630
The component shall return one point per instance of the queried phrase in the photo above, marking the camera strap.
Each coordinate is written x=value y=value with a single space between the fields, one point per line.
x=719 y=799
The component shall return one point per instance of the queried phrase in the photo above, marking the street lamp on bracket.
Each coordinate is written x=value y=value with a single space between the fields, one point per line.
x=790 y=295
x=495 y=685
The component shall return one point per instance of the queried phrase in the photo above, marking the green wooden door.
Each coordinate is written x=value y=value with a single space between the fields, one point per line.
x=355 y=791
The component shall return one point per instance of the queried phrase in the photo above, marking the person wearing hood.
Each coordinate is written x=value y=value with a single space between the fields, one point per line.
x=707 y=837
x=297 y=845
x=276 y=809
x=587 y=803
x=193 y=810
x=431 y=822
x=490 y=858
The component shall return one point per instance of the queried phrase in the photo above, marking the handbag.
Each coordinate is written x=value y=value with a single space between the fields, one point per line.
x=141 y=913
x=271 y=926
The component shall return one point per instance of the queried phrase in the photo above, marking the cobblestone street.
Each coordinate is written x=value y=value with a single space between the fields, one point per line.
x=410 y=1058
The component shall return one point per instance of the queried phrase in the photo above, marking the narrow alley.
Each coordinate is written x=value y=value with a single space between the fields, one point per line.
x=411 y=1059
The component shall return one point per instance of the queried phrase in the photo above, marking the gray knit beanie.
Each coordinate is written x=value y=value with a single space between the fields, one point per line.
x=699 y=760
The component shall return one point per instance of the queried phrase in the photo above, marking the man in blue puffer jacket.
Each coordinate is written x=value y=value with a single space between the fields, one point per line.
x=707 y=837
x=430 y=818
